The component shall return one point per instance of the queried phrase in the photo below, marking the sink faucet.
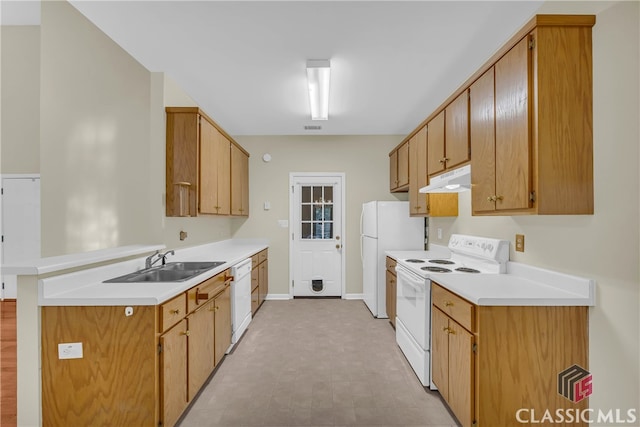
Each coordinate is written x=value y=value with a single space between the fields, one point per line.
x=149 y=261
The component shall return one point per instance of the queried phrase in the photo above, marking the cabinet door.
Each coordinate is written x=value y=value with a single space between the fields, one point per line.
x=393 y=170
x=173 y=373
x=208 y=188
x=403 y=165
x=461 y=384
x=418 y=173
x=440 y=351
x=222 y=327
x=223 y=164
x=483 y=143
x=263 y=280
x=239 y=182
x=435 y=145
x=391 y=297
x=200 y=344
x=513 y=150
x=457 y=131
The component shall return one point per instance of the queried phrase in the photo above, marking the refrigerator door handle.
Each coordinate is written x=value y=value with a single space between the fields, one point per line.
x=361 y=236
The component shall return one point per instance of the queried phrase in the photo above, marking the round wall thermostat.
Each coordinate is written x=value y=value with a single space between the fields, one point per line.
x=266 y=157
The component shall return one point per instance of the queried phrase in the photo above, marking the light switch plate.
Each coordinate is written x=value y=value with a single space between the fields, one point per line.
x=70 y=350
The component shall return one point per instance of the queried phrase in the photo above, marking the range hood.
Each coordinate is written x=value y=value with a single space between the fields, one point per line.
x=454 y=181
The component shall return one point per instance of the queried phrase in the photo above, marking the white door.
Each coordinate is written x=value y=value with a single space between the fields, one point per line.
x=316 y=218
x=20 y=224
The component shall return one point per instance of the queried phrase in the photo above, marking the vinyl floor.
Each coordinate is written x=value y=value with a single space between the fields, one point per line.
x=316 y=362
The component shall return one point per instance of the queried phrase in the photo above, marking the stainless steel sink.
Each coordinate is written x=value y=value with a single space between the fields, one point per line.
x=171 y=272
x=193 y=266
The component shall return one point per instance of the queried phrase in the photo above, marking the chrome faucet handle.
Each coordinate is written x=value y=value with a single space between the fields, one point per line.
x=147 y=261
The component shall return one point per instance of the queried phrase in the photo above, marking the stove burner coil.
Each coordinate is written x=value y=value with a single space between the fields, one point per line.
x=441 y=261
x=436 y=269
x=415 y=261
x=467 y=270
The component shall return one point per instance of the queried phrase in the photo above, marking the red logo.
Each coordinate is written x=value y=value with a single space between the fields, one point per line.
x=575 y=383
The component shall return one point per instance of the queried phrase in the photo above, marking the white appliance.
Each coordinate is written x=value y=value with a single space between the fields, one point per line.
x=469 y=255
x=240 y=300
x=384 y=226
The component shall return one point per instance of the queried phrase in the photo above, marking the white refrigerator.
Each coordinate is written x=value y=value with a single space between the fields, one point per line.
x=384 y=226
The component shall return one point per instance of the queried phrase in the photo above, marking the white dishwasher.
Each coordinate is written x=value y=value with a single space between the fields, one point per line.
x=240 y=300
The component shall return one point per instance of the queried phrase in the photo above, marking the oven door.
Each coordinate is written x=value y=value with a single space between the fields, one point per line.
x=413 y=305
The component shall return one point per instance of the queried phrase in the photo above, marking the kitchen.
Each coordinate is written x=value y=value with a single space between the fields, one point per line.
x=562 y=243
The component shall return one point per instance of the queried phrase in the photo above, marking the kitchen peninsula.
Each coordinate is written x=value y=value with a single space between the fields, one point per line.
x=122 y=329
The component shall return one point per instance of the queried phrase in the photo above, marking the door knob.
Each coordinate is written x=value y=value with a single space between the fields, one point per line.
x=338 y=246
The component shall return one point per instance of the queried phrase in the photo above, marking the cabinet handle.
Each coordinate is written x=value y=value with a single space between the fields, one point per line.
x=448 y=303
x=445 y=329
x=491 y=199
x=174 y=311
x=441 y=161
x=201 y=296
x=185 y=333
x=498 y=198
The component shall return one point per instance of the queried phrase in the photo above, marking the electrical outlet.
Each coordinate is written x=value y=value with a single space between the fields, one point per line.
x=519 y=242
x=70 y=350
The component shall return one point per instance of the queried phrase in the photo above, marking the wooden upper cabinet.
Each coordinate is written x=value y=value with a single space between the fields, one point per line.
x=199 y=166
x=483 y=142
x=215 y=158
x=399 y=168
x=418 y=173
x=435 y=144
x=403 y=165
x=448 y=142
x=393 y=170
x=457 y=131
x=239 y=181
x=513 y=149
x=540 y=158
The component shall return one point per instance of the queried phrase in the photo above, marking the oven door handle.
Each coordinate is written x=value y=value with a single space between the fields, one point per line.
x=418 y=285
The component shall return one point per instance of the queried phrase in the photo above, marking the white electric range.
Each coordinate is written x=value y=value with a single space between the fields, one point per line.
x=469 y=255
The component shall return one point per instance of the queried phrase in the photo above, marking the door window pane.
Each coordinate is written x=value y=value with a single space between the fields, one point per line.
x=316 y=220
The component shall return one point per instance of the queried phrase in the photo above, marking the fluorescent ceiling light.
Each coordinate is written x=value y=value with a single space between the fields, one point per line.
x=318 y=76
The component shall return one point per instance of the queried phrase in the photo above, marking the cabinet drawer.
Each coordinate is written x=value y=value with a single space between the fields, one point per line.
x=172 y=311
x=262 y=256
x=459 y=309
x=391 y=265
x=206 y=290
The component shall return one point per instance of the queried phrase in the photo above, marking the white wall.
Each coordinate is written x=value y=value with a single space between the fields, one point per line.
x=20 y=98
x=102 y=143
x=363 y=159
x=604 y=246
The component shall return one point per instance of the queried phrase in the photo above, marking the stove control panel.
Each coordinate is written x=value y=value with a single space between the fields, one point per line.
x=480 y=247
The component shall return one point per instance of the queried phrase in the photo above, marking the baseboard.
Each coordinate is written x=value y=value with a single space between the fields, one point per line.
x=353 y=296
x=277 y=297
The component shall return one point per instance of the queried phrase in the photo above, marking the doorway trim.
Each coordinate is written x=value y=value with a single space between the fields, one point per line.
x=335 y=175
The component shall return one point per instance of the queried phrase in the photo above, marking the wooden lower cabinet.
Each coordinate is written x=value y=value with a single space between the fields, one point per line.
x=201 y=340
x=222 y=324
x=391 y=282
x=8 y=365
x=173 y=373
x=488 y=362
x=259 y=279
x=142 y=369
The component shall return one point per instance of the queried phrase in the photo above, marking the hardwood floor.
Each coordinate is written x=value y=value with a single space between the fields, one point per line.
x=8 y=408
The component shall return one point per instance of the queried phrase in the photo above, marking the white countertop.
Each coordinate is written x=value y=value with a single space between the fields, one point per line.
x=521 y=285
x=64 y=262
x=86 y=288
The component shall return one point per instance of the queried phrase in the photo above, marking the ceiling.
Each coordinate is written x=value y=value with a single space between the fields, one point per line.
x=243 y=62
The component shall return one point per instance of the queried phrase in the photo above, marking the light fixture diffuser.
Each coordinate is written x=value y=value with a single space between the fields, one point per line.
x=318 y=76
